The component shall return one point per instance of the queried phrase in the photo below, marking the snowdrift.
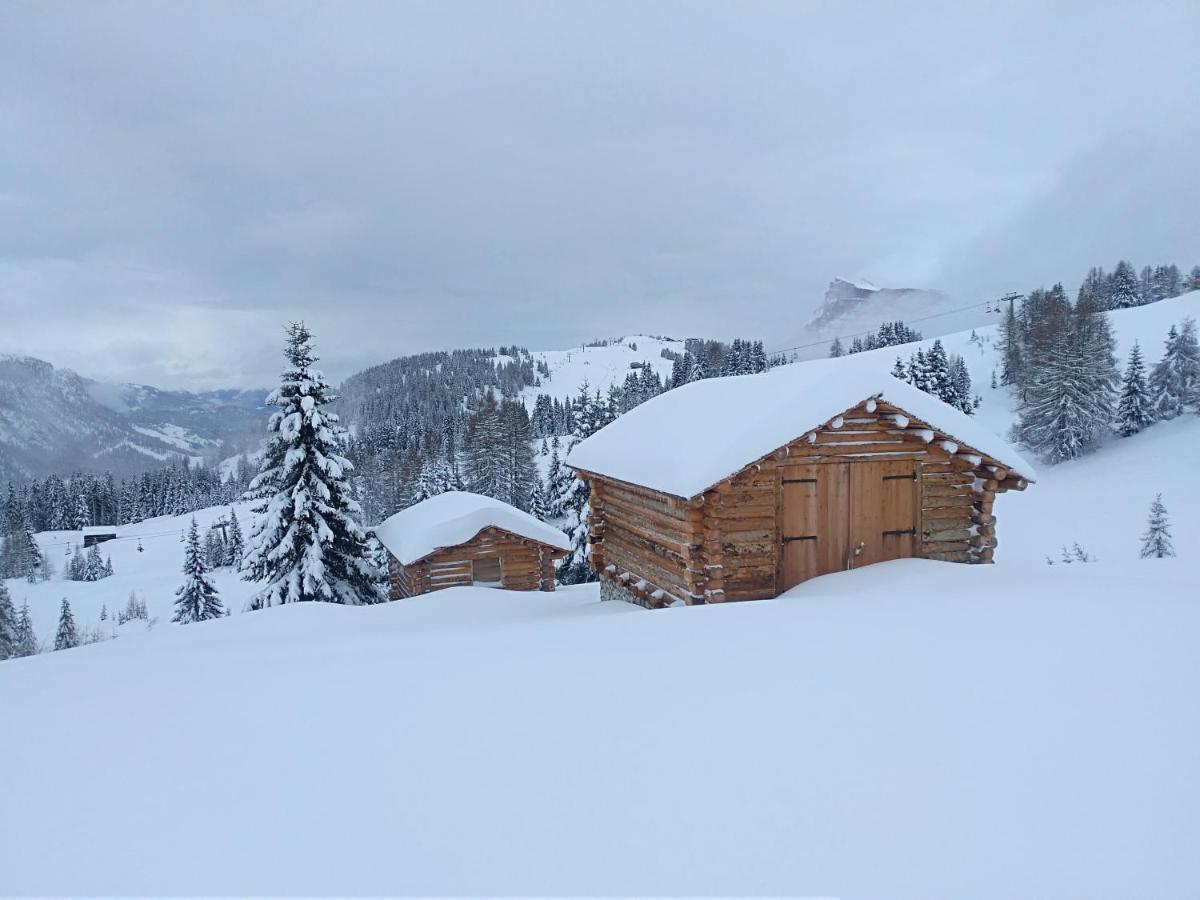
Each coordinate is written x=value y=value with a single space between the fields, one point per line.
x=999 y=732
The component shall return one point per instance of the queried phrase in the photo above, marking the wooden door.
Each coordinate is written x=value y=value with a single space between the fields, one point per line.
x=486 y=569
x=813 y=524
x=883 y=511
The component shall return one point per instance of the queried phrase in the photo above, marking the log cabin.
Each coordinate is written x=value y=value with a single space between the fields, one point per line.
x=459 y=538
x=741 y=488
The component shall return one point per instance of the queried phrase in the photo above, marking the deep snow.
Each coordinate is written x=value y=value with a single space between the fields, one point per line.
x=907 y=730
x=913 y=729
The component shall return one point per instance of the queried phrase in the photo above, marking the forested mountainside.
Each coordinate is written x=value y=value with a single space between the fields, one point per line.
x=54 y=421
x=467 y=418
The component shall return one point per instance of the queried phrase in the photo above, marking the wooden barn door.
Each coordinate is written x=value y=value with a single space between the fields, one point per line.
x=883 y=511
x=814 y=525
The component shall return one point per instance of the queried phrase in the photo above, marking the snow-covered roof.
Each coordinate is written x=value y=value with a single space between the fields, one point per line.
x=688 y=439
x=98 y=530
x=454 y=518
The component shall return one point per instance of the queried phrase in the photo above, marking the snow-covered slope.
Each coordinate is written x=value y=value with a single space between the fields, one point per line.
x=1101 y=500
x=908 y=730
x=599 y=367
x=153 y=573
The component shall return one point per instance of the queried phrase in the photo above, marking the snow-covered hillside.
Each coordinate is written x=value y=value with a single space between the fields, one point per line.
x=152 y=573
x=599 y=367
x=1101 y=500
x=908 y=730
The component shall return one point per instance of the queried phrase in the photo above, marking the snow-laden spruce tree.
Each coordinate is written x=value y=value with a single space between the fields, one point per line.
x=8 y=625
x=1134 y=407
x=1156 y=542
x=67 y=636
x=196 y=599
x=235 y=547
x=93 y=568
x=306 y=544
x=27 y=643
x=1175 y=380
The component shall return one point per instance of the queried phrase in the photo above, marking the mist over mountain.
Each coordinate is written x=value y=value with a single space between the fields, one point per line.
x=56 y=421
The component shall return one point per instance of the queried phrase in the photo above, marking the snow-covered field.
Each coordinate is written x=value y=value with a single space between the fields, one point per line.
x=599 y=367
x=913 y=729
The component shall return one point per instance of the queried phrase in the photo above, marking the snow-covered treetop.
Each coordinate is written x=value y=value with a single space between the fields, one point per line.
x=689 y=439
x=454 y=518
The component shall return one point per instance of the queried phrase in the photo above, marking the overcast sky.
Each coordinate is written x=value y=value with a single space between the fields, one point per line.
x=179 y=179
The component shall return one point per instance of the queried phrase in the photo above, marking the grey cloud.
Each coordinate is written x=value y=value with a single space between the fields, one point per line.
x=176 y=180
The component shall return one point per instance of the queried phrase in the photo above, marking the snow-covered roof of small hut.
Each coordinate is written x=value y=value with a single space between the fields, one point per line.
x=688 y=439
x=98 y=530
x=454 y=518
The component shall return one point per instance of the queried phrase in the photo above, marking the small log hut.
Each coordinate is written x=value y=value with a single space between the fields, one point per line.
x=459 y=538
x=871 y=470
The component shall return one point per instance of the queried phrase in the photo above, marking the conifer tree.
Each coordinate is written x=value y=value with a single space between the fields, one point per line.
x=196 y=599
x=306 y=545
x=77 y=567
x=1175 y=381
x=8 y=625
x=1156 y=542
x=235 y=547
x=899 y=370
x=539 y=505
x=1123 y=291
x=93 y=567
x=26 y=639
x=836 y=349
x=66 y=637
x=1133 y=409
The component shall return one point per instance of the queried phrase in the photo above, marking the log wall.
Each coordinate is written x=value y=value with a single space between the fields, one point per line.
x=526 y=565
x=725 y=544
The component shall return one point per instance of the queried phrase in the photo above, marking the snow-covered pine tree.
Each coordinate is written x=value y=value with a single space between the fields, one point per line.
x=1165 y=392
x=938 y=380
x=1193 y=280
x=484 y=457
x=899 y=370
x=103 y=612
x=836 y=349
x=1175 y=380
x=196 y=599
x=108 y=569
x=66 y=637
x=306 y=544
x=1123 y=289
x=1156 y=542
x=214 y=548
x=1012 y=370
x=539 y=505
x=235 y=547
x=520 y=469
x=1058 y=419
x=960 y=385
x=76 y=567
x=26 y=643
x=1134 y=408
x=918 y=372
x=93 y=566
x=8 y=624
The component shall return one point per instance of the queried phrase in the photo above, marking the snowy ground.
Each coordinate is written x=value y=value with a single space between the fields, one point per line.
x=914 y=729
x=908 y=730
